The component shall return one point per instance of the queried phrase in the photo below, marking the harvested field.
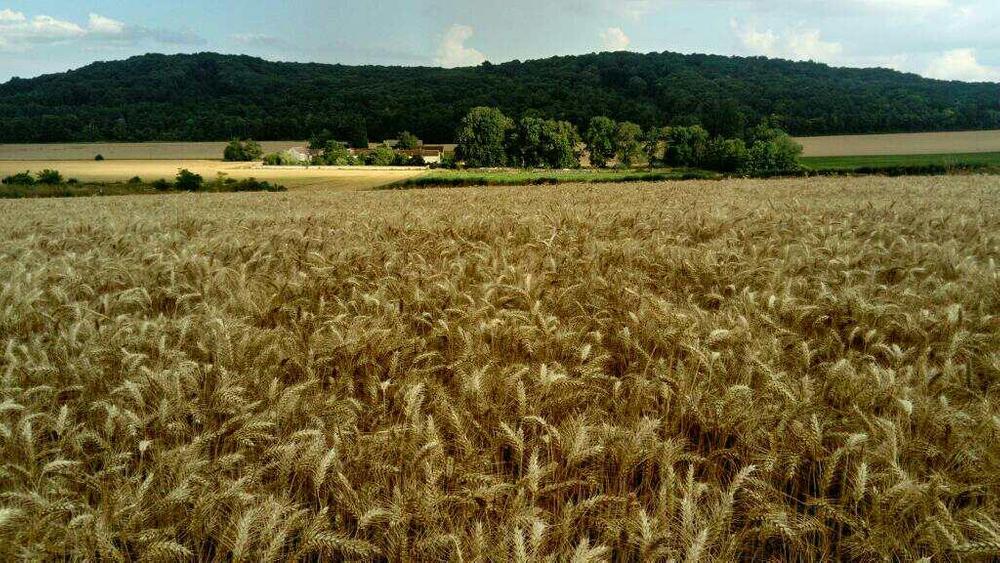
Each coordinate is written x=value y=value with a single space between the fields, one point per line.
x=149 y=170
x=902 y=144
x=129 y=151
x=787 y=370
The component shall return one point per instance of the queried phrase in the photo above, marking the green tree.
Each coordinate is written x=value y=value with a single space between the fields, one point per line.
x=773 y=152
x=686 y=146
x=652 y=145
x=549 y=143
x=600 y=141
x=726 y=155
x=335 y=153
x=628 y=143
x=408 y=141
x=482 y=137
x=188 y=181
x=242 y=151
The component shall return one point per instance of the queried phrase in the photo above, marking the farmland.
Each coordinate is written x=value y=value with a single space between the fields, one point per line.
x=128 y=151
x=901 y=144
x=293 y=177
x=797 y=369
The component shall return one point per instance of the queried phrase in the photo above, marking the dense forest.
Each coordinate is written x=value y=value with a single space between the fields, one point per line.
x=215 y=97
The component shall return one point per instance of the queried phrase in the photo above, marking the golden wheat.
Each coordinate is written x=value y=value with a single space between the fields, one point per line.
x=789 y=370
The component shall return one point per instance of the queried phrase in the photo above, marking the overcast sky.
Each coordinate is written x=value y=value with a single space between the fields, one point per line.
x=951 y=39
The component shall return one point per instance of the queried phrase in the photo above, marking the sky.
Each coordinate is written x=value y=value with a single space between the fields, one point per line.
x=947 y=39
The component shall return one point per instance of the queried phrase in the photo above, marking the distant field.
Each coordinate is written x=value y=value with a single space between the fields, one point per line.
x=851 y=162
x=129 y=151
x=902 y=144
x=149 y=170
x=515 y=177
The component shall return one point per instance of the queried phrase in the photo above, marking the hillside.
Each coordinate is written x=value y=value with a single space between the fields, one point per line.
x=212 y=97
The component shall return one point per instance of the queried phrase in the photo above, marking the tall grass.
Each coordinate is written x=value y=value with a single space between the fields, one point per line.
x=796 y=370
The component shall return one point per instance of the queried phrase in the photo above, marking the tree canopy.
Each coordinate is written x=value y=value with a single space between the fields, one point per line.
x=208 y=96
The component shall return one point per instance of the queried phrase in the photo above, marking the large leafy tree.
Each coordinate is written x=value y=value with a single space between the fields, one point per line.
x=628 y=143
x=600 y=140
x=545 y=143
x=482 y=137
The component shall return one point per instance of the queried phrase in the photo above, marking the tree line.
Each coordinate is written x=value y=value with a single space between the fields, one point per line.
x=217 y=97
x=487 y=138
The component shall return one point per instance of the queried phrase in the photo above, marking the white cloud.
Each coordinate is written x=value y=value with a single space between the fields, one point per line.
x=7 y=15
x=614 y=39
x=921 y=5
x=794 y=44
x=452 y=52
x=19 y=33
x=961 y=64
x=107 y=26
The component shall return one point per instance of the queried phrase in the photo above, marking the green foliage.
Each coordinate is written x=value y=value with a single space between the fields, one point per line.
x=483 y=136
x=600 y=140
x=99 y=157
x=49 y=177
x=188 y=181
x=686 y=146
x=725 y=155
x=408 y=141
x=628 y=143
x=544 y=143
x=134 y=180
x=162 y=185
x=380 y=156
x=653 y=145
x=253 y=185
x=335 y=153
x=242 y=151
x=20 y=179
x=276 y=159
x=772 y=152
x=137 y=99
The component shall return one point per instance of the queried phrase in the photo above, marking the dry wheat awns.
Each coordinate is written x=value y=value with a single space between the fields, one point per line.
x=787 y=370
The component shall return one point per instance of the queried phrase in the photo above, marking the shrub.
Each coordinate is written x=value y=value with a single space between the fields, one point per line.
x=135 y=180
x=50 y=177
x=380 y=156
x=188 y=181
x=73 y=181
x=161 y=185
x=417 y=160
x=773 y=152
x=99 y=157
x=242 y=151
x=335 y=153
x=544 y=143
x=20 y=179
x=253 y=185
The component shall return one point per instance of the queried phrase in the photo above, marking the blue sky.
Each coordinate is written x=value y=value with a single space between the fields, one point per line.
x=950 y=39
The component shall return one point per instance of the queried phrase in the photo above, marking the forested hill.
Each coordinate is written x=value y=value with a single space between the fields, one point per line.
x=213 y=97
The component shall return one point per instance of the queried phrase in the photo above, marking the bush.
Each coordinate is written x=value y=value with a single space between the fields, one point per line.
x=417 y=160
x=335 y=153
x=20 y=179
x=99 y=157
x=253 y=185
x=380 y=156
x=135 y=180
x=188 y=181
x=242 y=151
x=161 y=185
x=50 y=177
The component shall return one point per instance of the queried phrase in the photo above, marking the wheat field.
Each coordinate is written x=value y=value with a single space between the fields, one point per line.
x=950 y=142
x=800 y=370
x=325 y=178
